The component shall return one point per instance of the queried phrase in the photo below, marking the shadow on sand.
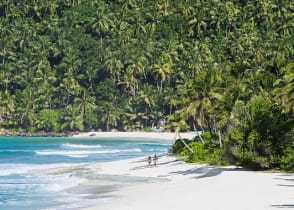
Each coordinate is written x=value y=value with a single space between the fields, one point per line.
x=286 y=185
x=284 y=206
x=208 y=171
x=287 y=182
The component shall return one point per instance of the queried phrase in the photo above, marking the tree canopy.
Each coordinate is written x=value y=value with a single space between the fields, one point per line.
x=225 y=67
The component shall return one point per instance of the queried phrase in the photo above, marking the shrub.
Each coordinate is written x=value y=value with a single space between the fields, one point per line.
x=148 y=129
x=261 y=137
x=199 y=155
x=287 y=161
x=203 y=153
x=177 y=147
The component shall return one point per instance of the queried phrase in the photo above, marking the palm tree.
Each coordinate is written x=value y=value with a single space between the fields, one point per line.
x=103 y=21
x=48 y=120
x=136 y=64
x=85 y=104
x=114 y=66
x=129 y=4
x=284 y=89
x=162 y=69
x=109 y=114
x=129 y=84
x=71 y=120
x=26 y=108
x=7 y=107
x=69 y=88
x=147 y=97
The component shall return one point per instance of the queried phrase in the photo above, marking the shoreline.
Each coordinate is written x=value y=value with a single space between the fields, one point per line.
x=142 y=135
x=184 y=186
x=34 y=134
x=101 y=134
x=132 y=184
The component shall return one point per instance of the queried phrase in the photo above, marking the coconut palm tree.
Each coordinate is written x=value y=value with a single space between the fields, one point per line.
x=71 y=119
x=284 y=89
x=85 y=104
x=162 y=69
x=26 y=108
x=109 y=115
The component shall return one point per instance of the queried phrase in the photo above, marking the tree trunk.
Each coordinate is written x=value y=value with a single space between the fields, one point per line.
x=107 y=125
x=182 y=140
x=220 y=139
x=201 y=139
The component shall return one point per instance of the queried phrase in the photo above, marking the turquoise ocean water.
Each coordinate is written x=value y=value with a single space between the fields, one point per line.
x=25 y=161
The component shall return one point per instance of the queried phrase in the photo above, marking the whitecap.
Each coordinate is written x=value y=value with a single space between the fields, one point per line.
x=78 y=156
x=61 y=182
x=158 y=150
x=132 y=150
x=9 y=169
x=155 y=144
x=74 y=152
x=79 y=146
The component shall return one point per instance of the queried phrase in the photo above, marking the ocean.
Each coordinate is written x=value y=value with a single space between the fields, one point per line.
x=50 y=173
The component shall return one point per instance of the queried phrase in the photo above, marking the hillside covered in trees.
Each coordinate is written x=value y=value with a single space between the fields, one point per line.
x=225 y=67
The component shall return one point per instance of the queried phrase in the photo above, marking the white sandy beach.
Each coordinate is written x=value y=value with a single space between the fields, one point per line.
x=190 y=187
x=141 y=135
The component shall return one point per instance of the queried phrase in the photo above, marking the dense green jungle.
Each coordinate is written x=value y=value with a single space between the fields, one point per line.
x=224 y=68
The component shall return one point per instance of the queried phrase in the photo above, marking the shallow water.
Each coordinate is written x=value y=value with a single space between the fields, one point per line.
x=49 y=173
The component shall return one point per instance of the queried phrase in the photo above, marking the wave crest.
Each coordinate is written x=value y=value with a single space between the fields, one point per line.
x=83 y=153
x=79 y=146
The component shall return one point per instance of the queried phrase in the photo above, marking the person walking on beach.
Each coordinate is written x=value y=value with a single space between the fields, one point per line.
x=149 y=160
x=155 y=159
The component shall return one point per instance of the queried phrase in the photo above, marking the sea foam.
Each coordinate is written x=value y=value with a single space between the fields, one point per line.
x=9 y=169
x=79 y=153
x=79 y=146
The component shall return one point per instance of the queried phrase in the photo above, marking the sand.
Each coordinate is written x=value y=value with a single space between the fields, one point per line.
x=142 y=135
x=182 y=186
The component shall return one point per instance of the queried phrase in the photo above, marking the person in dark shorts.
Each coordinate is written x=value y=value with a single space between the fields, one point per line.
x=155 y=159
x=149 y=160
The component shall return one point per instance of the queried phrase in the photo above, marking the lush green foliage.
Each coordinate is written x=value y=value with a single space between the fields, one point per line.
x=207 y=152
x=287 y=160
x=221 y=66
x=262 y=135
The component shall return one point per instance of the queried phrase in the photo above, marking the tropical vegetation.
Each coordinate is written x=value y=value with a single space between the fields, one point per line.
x=222 y=67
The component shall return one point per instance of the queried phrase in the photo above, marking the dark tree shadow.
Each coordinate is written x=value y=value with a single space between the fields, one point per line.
x=287 y=174
x=207 y=171
x=288 y=182
x=291 y=180
x=284 y=206
x=286 y=185
x=140 y=161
